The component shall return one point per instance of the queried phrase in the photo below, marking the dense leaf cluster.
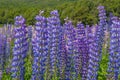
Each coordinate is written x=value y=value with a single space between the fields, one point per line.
x=77 y=10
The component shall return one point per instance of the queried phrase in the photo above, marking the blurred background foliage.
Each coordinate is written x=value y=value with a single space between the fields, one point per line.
x=77 y=10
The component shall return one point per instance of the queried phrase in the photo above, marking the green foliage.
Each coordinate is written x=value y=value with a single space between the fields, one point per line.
x=102 y=73
x=28 y=8
x=77 y=10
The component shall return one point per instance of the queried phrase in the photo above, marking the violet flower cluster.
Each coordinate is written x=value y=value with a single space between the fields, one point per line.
x=54 y=23
x=95 y=50
x=16 y=54
x=40 y=48
x=62 y=53
x=19 y=50
x=69 y=36
x=83 y=49
x=114 y=59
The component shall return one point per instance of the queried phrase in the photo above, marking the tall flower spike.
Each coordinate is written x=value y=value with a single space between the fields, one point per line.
x=62 y=52
x=44 y=54
x=69 y=69
x=54 y=22
x=35 y=59
x=45 y=47
x=96 y=48
x=20 y=49
x=16 y=54
x=38 y=64
x=113 y=64
x=59 y=43
x=41 y=49
x=77 y=57
x=83 y=49
x=24 y=50
x=49 y=33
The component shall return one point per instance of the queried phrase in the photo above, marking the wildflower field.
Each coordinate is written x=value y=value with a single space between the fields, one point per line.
x=53 y=50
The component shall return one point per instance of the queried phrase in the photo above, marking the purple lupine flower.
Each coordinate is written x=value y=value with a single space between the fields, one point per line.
x=49 y=42
x=20 y=49
x=54 y=23
x=102 y=18
x=102 y=14
x=35 y=66
x=92 y=34
x=43 y=45
x=93 y=60
x=19 y=20
x=91 y=39
x=69 y=36
x=77 y=58
x=36 y=50
x=59 y=36
x=24 y=49
x=62 y=52
x=44 y=59
x=83 y=49
x=16 y=54
x=79 y=35
x=40 y=50
x=96 y=48
x=113 y=64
